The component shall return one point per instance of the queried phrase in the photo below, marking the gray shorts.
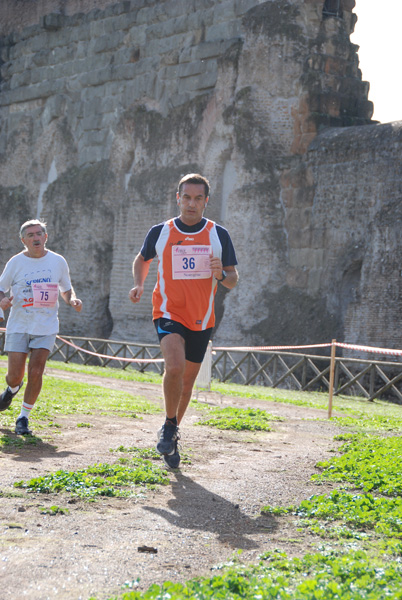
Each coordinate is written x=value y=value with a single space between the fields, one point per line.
x=24 y=342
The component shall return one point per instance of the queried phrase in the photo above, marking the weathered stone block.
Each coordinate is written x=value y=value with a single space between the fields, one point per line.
x=195 y=68
x=124 y=21
x=223 y=31
x=157 y=47
x=134 y=90
x=224 y=11
x=81 y=33
x=170 y=58
x=151 y=14
x=212 y=49
x=20 y=80
x=169 y=72
x=199 y=82
x=168 y=28
x=53 y=21
x=106 y=43
x=117 y=9
x=91 y=122
x=97 y=77
x=136 y=36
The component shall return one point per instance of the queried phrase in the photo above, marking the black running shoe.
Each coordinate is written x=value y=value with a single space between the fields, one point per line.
x=21 y=426
x=167 y=438
x=172 y=460
x=7 y=397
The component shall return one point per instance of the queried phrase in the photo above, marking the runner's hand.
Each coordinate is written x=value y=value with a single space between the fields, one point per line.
x=135 y=293
x=216 y=267
x=6 y=303
x=76 y=304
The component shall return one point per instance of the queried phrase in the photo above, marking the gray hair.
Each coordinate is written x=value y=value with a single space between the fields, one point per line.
x=30 y=223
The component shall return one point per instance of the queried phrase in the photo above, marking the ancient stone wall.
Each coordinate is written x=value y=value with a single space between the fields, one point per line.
x=342 y=218
x=103 y=110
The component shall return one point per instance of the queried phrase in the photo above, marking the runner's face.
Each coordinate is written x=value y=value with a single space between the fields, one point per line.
x=192 y=202
x=34 y=240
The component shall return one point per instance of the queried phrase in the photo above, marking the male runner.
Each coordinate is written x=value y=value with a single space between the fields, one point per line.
x=34 y=278
x=193 y=253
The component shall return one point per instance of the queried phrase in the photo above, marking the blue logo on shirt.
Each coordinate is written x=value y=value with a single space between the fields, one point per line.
x=40 y=280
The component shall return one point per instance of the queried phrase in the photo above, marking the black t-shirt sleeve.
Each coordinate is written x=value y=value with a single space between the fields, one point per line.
x=148 y=250
x=228 y=252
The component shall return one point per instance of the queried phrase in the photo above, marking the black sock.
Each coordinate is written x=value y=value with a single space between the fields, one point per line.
x=174 y=420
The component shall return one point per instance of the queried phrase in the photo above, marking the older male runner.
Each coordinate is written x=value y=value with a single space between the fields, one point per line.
x=34 y=278
x=193 y=253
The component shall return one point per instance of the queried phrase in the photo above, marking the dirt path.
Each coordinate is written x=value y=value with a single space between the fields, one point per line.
x=210 y=509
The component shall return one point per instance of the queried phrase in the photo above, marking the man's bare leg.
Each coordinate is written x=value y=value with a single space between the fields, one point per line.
x=36 y=367
x=16 y=368
x=190 y=375
x=172 y=347
x=14 y=378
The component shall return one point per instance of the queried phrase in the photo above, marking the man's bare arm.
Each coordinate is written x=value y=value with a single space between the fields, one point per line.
x=5 y=301
x=70 y=298
x=140 y=272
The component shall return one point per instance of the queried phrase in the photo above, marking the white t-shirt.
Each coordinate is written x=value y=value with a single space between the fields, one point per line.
x=20 y=276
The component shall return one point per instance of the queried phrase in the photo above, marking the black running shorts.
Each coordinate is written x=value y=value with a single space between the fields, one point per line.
x=195 y=342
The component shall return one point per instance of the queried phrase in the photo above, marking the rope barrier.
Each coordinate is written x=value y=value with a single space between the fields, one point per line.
x=372 y=349
x=138 y=360
x=369 y=349
x=268 y=348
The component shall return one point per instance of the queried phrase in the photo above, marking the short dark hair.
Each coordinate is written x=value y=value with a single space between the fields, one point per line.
x=194 y=178
x=30 y=223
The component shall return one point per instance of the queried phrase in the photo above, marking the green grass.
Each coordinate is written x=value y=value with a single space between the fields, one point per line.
x=54 y=510
x=355 y=411
x=121 y=479
x=63 y=397
x=370 y=499
x=239 y=419
x=354 y=575
x=365 y=464
x=15 y=442
x=151 y=453
x=351 y=513
x=129 y=374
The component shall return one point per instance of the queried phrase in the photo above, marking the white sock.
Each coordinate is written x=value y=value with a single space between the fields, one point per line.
x=14 y=389
x=26 y=410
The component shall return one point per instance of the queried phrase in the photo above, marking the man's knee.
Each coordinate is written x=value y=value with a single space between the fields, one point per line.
x=35 y=372
x=13 y=379
x=174 y=370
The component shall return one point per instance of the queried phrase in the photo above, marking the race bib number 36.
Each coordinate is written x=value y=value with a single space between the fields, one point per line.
x=45 y=294
x=191 y=262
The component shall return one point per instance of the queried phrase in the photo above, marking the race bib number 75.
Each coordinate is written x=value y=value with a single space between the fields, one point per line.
x=191 y=262
x=45 y=294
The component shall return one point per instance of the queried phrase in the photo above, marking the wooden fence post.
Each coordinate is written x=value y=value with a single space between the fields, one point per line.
x=331 y=377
